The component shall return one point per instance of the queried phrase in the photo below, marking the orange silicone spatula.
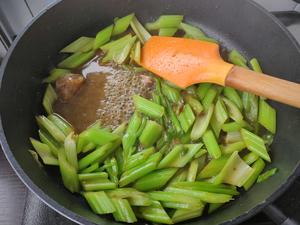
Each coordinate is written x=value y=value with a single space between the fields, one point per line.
x=185 y=62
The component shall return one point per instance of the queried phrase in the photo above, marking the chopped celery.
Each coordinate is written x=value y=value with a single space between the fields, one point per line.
x=232 y=137
x=235 y=126
x=195 y=33
x=232 y=147
x=35 y=157
x=49 y=98
x=250 y=158
x=76 y=59
x=255 y=65
x=139 y=30
x=48 y=140
x=44 y=152
x=181 y=175
x=70 y=150
x=233 y=111
x=167 y=32
x=214 y=206
x=169 y=196
x=138 y=158
x=186 y=117
x=258 y=167
x=122 y=24
x=116 y=43
x=112 y=169
x=194 y=103
x=193 y=170
x=267 y=116
x=124 y=212
x=98 y=184
x=135 y=198
x=255 y=144
x=203 y=89
x=219 y=117
x=99 y=202
x=250 y=102
x=120 y=129
x=148 y=107
x=137 y=52
x=211 y=144
x=103 y=36
x=201 y=124
x=209 y=98
x=187 y=214
x=92 y=176
x=264 y=176
x=233 y=96
x=92 y=168
x=150 y=134
x=177 y=205
x=237 y=59
x=213 y=167
x=55 y=74
x=61 y=123
x=190 y=151
x=77 y=45
x=165 y=21
x=173 y=118
x=172 y=94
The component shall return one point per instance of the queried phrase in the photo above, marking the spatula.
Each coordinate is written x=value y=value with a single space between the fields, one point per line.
x=185 y=62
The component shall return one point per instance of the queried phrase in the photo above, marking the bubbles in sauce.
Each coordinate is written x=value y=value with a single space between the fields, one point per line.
x=106 y=95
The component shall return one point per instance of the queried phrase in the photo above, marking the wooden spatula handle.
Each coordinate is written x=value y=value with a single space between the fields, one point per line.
x=264 y=85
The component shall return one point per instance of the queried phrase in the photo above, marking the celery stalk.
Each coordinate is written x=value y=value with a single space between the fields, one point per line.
x=150 y=134
x=44 y=152
x=139 y=30
x=232 y=147
x=209 y=98
x=122 y=24
x=165 y=21
x=211 y=144
x=124 y=212
x=49 y=98
x=55 y=74
x=93 y=167
x=237 y=59
x=194 y=103
x=48 y=140
x=77 y=45
x=258 y=167
x=103 y=36
x=186 y=117
x=92 y=176
x=203 y=89
x=99 y=202
x=148 y=107
x=76 y=59
x=213 y=167
x=70 y=151
x=61 y=123
x=193 y=170
x=255 y=65
x=186 y=214
x=267 y=116
x=201 y=124
x=233 y=96
x=167 y=32
x=233 y=111
x=219 y=117
x=250 y=158
x=266 y=175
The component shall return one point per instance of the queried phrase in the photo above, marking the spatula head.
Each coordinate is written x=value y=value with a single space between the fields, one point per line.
x=184 y=61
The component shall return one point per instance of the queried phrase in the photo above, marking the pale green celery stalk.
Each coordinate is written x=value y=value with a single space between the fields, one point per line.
x=48 y=140
x=76 y=59
x=195 y=33
x=122 y=24
x=197 y=195
x=139 y=30
x=213 y=167
x=155 y=213
x=211 y=144
x=155 y=180
x=68 y=173
x=194 y=103
x=177 y=205
x=233 y=96
x=201 y=152
x=77 y=45
x=99 y=155
x=235 y=172
x=232 y=137
x=236 y=126
x=167 y=32
x=165 y=21
x=124 y=212
x=255 y=65
x=258 y=167
x=116 y=43
x=36 y=157
x=70 y=150
x=88 y=147
x=237 y=59
x=92 y=176
x=92 y=168
x=185 y=138
x=61 y=123
x=268 y=139
x=169 y=196
x=49 y=98
x=140 y=170
x=173 y=118
x=209 y=98
x=181 y=175
x=219 y=117
x=186 y=214
x=171 y=93
x=202 y=90
x=250 y=158
x=233 y=111
x=136 y=57
x=138 y=158
x=267 y=116
x=99 y=202
x=45 y=124
x=135 y=198
x=120 y=159
x=255 y=144
x=266 y=175
x=250 y=102
x=151 y=133
x=213 y=207
x=98 y=184
x=112 y=169
x=201 y=124
x=186 y=117
x=44 y=152
x=55 y=74
x=103 y=36
x=120 y=130
x=148 y=107
x=193 y=170
x=232 y=147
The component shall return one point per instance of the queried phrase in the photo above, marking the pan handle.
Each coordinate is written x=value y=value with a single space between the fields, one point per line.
x=277 y=216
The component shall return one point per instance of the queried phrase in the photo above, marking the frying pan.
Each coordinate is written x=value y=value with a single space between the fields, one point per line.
x=241 y=25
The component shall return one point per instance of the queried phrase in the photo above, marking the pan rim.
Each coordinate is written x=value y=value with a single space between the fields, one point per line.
x=83 y=220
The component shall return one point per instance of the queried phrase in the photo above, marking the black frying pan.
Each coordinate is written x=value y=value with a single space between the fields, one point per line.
x=238 y=24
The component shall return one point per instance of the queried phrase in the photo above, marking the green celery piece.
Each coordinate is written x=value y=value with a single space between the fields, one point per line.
x=219 y=117
x=103 y=36
x=120 y=130
x=167 y=32
x=136 y=57
x=151 y=133
x=99 y=202
x=193 y=170
x=98 y=184
x=209 y=98
x=250 y=102
x=148 y=107
x=61 y=123
x=202 y=90
x=99 y=155
x=122 y=24
x=186 y=117
x=155 y=213
x=258 y=167
x=255 y=144
x=138 y=158
x=112 y=169
x=135 y=198
x=194 y=103
x=76 y=59
x=250 y=158
x=235 y=126
x=68 y=173
x=183 y=159
x=181 y=175
x=211 y=144
x=55 y=74
x=266 y=175
x=213 y=167
x=187 y=214
x=232 y=147
x=171 y=93
x=44 y=152
x=168 y=196
x=233 y=111
x=155 y=180
x=77 y=45
x=232 y=137
x=173 y=117
x=48 y=140
x=139 y=30
x=49 y=98
x=70 y=150
x=120 y=159
x=92 y=168
x=213 y=207
x=267 y=116
x=235 y=172
x=116 y=43
x=178 y=205
x=165 y=21
x=233 y=96
x=201 y=124
x=237 y=59
x=195 y=33
x=35 y=157
x=255 y=65
x=124 y=212
x=92 y=176
x=200 y=153
x=198 y=195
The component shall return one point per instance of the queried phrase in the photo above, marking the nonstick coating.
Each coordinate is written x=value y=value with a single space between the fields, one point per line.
x=237 y=24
